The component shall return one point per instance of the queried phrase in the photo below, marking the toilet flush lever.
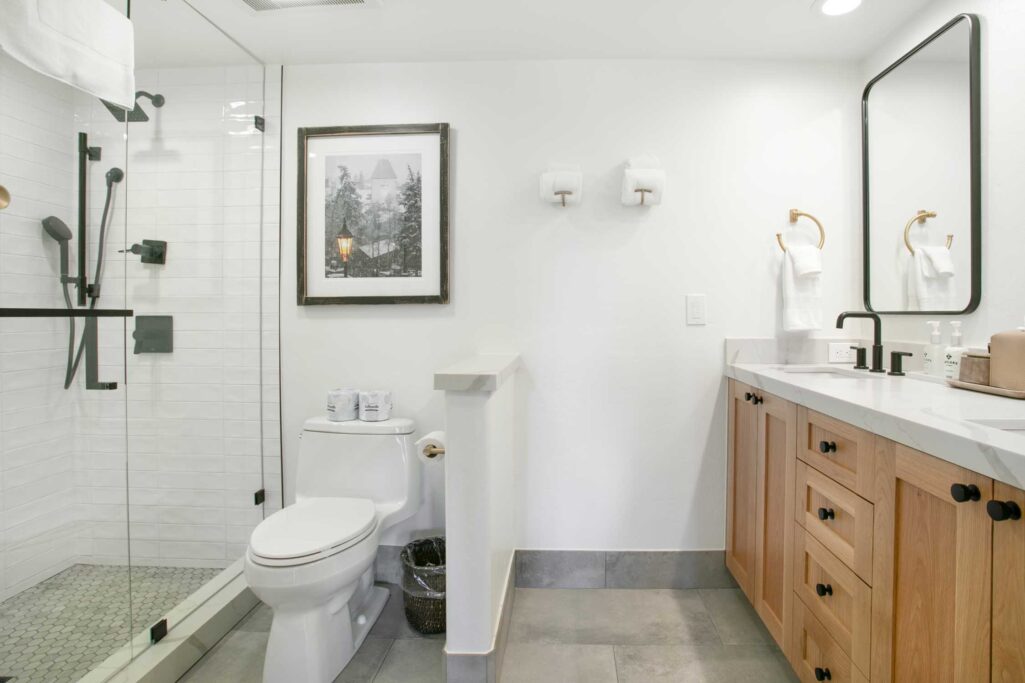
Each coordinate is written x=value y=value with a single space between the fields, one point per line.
x=433 y=451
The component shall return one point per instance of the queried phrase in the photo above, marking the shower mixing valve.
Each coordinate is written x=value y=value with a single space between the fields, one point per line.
x=151 y=251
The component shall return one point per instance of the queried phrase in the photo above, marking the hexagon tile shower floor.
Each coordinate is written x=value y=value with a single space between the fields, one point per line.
x=59 y=629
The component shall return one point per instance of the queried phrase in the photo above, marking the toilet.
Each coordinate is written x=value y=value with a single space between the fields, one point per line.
x=313 y=561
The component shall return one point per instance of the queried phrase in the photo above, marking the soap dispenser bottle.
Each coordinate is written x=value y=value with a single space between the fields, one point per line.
x=952 y=356
x=932 y=356
x=1007 y=360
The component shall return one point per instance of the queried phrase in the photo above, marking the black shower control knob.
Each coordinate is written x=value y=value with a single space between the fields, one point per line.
x=827 y=446
x=823 y=589
x=822 y=674
x=827 y=513
x=962 y=493
x=1001 y=511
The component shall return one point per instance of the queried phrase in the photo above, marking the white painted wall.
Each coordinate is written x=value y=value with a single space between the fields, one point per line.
x=1003 y=148
x=625 y=441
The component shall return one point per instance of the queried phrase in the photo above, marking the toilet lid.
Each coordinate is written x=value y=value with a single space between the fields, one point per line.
x=312 y=526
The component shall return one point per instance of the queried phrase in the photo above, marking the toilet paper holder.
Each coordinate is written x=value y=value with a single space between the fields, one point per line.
x=433 y=451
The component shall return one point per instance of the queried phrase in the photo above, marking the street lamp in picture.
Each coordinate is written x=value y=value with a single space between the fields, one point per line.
x=345 y=246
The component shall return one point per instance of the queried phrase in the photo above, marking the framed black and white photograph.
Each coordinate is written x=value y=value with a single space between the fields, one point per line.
x=373 y=215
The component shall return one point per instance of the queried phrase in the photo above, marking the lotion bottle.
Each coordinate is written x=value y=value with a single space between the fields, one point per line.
x=1007 y=364
x=952 y=356
x=932 y=356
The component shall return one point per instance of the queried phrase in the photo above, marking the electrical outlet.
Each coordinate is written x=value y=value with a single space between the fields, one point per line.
x=697 y=309
x=841 y=352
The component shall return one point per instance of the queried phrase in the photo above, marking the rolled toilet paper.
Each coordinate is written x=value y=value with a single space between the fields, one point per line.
x=342 y=405
x=374 y=406
x=430 y=443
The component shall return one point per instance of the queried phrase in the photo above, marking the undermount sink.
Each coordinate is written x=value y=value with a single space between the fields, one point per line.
x=831 y=371
x=1016 y=425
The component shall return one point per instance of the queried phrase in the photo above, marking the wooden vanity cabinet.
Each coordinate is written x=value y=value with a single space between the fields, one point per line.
x=868 y=560
x=931 y=574
x=762 y=445
x=1008 y=585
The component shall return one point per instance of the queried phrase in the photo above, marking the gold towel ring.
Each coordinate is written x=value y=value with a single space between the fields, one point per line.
x=794 y=215
x=920 y=218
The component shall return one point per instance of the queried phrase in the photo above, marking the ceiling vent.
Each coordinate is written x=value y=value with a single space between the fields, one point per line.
x=264 y=5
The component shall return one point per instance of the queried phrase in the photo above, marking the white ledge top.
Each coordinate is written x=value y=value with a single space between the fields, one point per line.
x=484 y=372
x=933 y=418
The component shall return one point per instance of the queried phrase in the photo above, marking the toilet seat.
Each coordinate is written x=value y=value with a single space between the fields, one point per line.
x=312 y=529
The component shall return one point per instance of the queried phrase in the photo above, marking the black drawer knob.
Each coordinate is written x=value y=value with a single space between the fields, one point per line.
x=1001 y=511
x=758 y=400
x=822 y=674
x=827 y=446
x=963 y=493
x=823 y=589
x=827 y=513
x=748 y=396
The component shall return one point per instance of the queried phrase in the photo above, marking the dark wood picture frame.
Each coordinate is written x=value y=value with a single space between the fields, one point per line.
x=304 y=136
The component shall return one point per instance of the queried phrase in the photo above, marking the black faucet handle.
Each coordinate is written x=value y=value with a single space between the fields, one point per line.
x=861 y=353
x=897 y=362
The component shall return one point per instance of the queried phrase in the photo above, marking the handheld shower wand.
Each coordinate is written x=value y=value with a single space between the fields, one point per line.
x=61 y=233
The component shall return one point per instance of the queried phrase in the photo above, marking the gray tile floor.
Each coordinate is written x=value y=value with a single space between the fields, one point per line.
x=556 y=636
x=61 y=628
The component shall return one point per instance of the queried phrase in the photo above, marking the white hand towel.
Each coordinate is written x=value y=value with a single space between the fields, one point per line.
x=802 y=297
x=939 y=261
x=807 y=259
x=85 y=43
x=925 y=292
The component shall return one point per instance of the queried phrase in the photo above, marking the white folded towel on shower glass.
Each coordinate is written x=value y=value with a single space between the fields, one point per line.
x=802 y=294
x=929 y=289
x=85 y=43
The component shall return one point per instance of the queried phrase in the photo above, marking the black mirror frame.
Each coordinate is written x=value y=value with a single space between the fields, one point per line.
x=975 y=88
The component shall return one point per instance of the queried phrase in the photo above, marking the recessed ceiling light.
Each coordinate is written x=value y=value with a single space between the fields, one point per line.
x=834 y=8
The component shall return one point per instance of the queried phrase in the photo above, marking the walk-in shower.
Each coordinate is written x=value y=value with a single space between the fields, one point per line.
x=133 y=469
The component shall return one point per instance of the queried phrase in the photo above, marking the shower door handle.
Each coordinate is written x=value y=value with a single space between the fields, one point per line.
x=92 y=359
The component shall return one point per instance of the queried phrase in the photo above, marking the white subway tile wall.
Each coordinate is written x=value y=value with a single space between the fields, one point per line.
x=199 y=430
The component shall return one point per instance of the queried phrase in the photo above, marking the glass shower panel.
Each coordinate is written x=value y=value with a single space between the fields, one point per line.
x=64 y=580
x=195 y=471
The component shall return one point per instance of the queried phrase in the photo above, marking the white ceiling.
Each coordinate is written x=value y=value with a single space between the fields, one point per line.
x=442 y=30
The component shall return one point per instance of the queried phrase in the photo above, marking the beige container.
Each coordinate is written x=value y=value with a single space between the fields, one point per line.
x=1007 y=360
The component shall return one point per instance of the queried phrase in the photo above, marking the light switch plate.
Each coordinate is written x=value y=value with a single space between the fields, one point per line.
x=841 y=352
x=697 y=309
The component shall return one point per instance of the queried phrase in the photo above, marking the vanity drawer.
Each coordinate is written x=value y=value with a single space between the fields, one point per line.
x=835 y=448
x=837 y=518
x=813 y=648
x=835 y=595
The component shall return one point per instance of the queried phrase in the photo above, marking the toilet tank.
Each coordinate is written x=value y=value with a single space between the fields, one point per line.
x=355 y=459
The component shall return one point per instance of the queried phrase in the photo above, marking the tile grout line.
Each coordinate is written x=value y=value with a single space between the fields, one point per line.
x=380 y=665
x=615 y=663
x=711 y=618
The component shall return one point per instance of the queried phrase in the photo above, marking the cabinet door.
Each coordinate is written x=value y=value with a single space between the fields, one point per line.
x=931 y=571
x=777 y=457
x=741 y=487
x=1008 y=587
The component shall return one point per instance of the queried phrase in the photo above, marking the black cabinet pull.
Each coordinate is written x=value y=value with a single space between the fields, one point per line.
x=823 y=589
x=758 y=400
x=827 y=447
x=1001 y=511
x=827 y=513
x=822 y=674
x=962 y=493
x=749 y=396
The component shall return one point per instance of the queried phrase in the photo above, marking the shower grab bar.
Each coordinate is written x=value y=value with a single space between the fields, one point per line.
x=65 y=313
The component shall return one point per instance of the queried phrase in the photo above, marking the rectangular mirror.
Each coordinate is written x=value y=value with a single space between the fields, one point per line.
x=922 y=186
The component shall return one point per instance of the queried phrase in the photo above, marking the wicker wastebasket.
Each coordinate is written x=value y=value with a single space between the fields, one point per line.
x=423 y=584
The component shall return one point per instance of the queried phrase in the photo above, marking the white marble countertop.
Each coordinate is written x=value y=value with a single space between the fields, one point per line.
x=483 y=372
x=933 y=418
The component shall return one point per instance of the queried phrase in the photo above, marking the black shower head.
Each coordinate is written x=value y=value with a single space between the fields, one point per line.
x=136 y=114
x=58 y=230
x=114 y=175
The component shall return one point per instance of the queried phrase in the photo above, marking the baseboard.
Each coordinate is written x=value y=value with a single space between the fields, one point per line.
x=679 y=569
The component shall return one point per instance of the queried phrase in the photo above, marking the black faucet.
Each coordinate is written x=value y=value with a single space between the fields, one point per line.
x=877 y=340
